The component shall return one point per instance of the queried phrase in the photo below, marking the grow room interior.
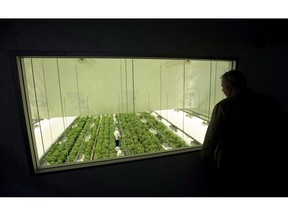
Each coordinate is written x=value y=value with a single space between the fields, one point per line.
x=74 y=105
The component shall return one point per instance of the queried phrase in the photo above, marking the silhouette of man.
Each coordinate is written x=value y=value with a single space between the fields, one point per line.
x=243 y=138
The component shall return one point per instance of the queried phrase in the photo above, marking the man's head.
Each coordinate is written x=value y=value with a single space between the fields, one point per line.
x=232 y=81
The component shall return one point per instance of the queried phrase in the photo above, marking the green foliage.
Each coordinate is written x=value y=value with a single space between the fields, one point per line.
x=137 y=138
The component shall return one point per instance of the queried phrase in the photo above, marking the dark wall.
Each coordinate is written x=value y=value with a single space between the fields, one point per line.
x=260 y=46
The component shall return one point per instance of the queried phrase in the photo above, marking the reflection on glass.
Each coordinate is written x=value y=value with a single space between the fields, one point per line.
x=75 y=104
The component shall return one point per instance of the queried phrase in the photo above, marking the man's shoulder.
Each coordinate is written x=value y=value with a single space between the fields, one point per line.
x=224 y=102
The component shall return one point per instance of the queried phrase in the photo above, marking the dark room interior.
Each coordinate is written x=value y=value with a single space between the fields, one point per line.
x=260 y=45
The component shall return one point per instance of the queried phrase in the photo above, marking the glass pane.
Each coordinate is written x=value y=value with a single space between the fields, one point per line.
x=158 y=105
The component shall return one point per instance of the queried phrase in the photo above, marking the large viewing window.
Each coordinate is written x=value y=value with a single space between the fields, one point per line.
x=73 y=105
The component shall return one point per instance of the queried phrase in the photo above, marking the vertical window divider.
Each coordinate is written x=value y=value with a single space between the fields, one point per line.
x=133 y=83
x=209 y=92
x=216 y=72
x=76 y=71
x=126 y=86
x=36 y=100
x=184 y=98
x=60 y=92
x=47 y=104
x=121 y=87
x=160 y=88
